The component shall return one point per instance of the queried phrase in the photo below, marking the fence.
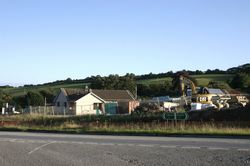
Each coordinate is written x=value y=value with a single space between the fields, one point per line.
x=44 y=110
x=61 y=110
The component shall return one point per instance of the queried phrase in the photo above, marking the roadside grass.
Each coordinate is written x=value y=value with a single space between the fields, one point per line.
x=86 y=125
x=125 y=129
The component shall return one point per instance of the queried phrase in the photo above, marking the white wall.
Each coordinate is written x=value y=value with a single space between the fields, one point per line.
x=61 y=99
x=85 y=105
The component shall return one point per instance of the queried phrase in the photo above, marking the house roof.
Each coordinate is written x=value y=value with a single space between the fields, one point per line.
x=74 y=94
x=109 y=95
x=215 y=91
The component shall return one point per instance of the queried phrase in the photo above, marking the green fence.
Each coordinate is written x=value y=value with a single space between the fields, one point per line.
x=175 y=116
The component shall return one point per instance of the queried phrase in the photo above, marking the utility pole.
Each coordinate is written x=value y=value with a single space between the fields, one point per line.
x=45 y=104
x=45 y=101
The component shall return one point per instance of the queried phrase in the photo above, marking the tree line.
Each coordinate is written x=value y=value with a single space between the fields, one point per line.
x=30 y=99
x=241 y=81
x=234 y=70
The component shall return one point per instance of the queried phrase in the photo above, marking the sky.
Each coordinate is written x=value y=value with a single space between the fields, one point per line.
x=48 y=40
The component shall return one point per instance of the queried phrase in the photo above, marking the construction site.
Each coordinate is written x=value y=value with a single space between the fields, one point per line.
x=196 y=99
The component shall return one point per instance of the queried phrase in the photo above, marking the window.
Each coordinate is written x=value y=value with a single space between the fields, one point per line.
x=58 y=104
x=96 y=106
x=65 y=104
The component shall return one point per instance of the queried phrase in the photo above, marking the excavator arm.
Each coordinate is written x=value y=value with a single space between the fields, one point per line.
x=185 y=81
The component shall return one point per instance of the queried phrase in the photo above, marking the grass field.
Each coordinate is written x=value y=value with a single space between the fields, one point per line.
x=155 y=81
x=54 y=88
x=202 y=80
x=85 y=125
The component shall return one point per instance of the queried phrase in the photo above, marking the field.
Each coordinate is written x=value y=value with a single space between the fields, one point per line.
x=123 y=125
x=54 y=88
x=202 y=80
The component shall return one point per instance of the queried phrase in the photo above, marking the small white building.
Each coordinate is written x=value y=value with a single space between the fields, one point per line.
x=78 y=102
x=87 y=101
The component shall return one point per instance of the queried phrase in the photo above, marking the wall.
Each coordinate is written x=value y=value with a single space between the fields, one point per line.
x=133 y=105
x=127 y=107
x=61 y=99
x=85 y=105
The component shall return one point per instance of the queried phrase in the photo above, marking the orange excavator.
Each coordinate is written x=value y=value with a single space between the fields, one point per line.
x=202 y=98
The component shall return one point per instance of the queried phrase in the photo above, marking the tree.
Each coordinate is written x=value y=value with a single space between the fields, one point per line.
x=34 y=99
x=48 y=95
x=115 y=82
x=20 y=101
x=5 y=98
x=68 y=80
x=241 y=80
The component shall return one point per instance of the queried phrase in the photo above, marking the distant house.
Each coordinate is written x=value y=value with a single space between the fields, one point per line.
x=81 y=102
x=213 y=91
x=124 y=100
x=78 y=102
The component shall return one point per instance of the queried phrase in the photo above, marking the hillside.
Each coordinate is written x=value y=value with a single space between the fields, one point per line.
x=202 y=80
x=19 y=91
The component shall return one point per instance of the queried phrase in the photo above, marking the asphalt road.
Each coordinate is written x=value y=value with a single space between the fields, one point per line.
x=38 y=149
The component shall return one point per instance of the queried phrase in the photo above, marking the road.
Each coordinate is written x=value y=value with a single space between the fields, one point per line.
x=40 y=149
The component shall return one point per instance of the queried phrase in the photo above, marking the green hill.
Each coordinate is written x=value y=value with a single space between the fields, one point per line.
x=202 y=80
x=19 y=91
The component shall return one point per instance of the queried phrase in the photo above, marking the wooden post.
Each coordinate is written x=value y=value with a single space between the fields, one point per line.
x=53 y=111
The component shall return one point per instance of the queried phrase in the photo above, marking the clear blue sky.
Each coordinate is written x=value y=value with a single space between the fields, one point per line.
x=48 y=40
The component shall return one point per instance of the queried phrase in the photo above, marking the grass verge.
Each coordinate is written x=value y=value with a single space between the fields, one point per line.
x=139 y=128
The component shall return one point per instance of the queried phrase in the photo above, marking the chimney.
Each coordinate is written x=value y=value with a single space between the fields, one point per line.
x=86 y=89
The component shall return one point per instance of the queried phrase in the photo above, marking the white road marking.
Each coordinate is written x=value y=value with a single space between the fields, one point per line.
x=120 y=144
x=20 y=141
x=90 y=143
x=130 y=144
x=142 y=145
x=165 y=146
x=190 y=147
x=39 y=147
x=246 y=150
x=107 y=144
x=48 y=142
x=12 y=140
x=217 y=148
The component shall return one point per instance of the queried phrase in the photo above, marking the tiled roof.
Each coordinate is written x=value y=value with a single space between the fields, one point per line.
x=109 y=95
x=74 y=94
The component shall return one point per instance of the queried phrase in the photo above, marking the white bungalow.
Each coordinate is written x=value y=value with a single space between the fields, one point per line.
x=78 y=102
